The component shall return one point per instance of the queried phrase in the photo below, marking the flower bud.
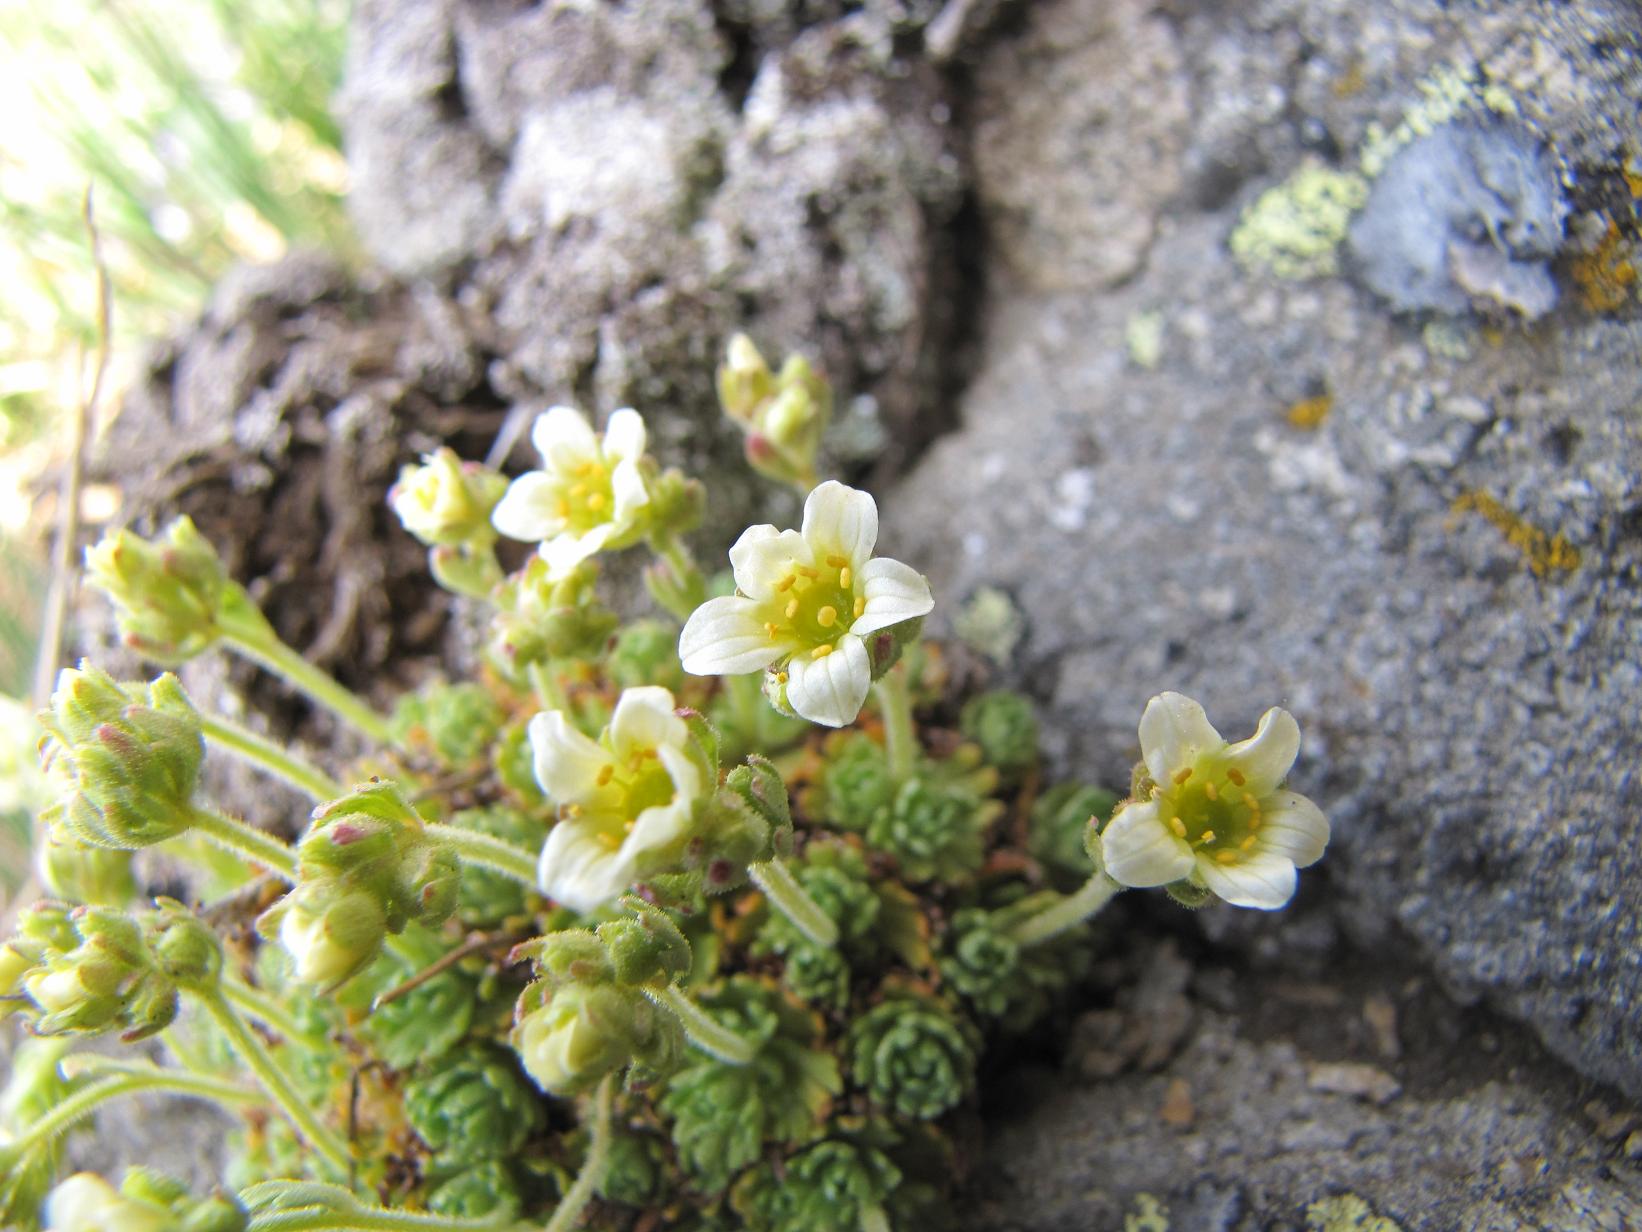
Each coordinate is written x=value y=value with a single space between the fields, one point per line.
x=448 y=502
x=744 y=380
x=168 y=594
x=108 y=981
x=185 y=949
x=128 y=761
x=328 y=937
x=646 y=947
x=782 y=416
x=85 y=874
x=541 y=617
x=465 y=570
x=575 y=1038
x=87 y=1203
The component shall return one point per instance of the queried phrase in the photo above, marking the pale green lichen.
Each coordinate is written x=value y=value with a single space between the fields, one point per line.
x=1149 y=1215
x=1449 y=93
x=1144 y=337
x=1295 y=229
x=990 y=624
x=1347 y=1213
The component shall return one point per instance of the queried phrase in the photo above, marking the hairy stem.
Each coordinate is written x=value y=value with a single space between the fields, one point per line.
x=127 y=1082
x=275 y=1081
x=705 y=1032
x=277 y=657
x=268 y=755
x=260 y=1006
x=593 y=1167
x=491 y=852
x=1073 y=909
x=546 y=687
x=367 y=1219
x=791 y=899
x=246 y=840
x=900 y=737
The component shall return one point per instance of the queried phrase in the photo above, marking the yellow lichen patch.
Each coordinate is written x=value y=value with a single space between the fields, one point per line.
x=1545 y=552
x=1308 y=413
x=1149 y=1215
x=1347 y=1213
x=1606 y=276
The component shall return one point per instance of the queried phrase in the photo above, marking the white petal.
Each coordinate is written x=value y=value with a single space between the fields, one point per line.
x=644 y=719
x=528 y=509
x=567 y=763
x=841 y=520
x=656 y=827
x=1263 y=880
x=1139 y=850
x=576 y=869
x=1266 y=757
x=1173 y=731
x=628 y=492
x=763 y=556
x=624 y=436
x=1293 y=827
x=724 y=637
x=564 y=438
x=894 y=592
x=683 y=770
x=830 y=690
x=565 y=551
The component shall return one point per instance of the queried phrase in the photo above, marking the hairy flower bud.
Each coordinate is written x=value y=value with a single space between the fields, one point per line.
x=782 y=416
x=541 y=616
x=84 y=874
x=576 y=1037
x=127 y=761
x=108 y=981
x=448 y=502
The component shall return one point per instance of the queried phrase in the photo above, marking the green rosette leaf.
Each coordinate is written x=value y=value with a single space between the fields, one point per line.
x=913 y=1055
x=474 y=1107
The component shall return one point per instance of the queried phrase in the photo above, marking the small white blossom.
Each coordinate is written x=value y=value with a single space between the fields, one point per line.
x=589 y=495
x=1216 y=813
x=87 y=1203
x=806 y=600
x=625 y=796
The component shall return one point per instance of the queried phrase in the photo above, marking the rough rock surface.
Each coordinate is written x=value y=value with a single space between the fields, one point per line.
x=585 y=200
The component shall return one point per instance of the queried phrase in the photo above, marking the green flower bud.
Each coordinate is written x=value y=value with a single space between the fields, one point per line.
x=724 y=1114
x=575 y=1038
x=485 y=1191
x=913 y=1055
x=646 y=947
x=172 y=597
x=330 y=936
x=448 y=502
x=214 y=1213
x=676 y=501
x=85 y=874
x=540 y=617
x=1006 y=729
x=855 y=782
x=185 y=950
x=783 y=417
x=44 y=932
x=1062 y=822
x=473 y=1108
x=108 y=981
x=128 y=762
x=465 y=570
x=745 y=381
x=645 y=652
x=458 y=721
x=934 y=830
x=87 y=1203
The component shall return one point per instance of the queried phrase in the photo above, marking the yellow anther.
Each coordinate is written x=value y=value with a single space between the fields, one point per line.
x=807 y=572
x=860 y=605
x=562 y=508
x=844 y=578
x=1227 y=857
x=1254 y=823
x=1206 y=837
x=785 y=583
x=608 y=840
x=578 y=490
x=595 y=502
x=572 y=810
x=1180 y=776
x=820 y=652
x=836 y=561
x=1211 y=791
x=781 y=678
x=1248 y=799
x=792 y=608
x=606 y=773
x=1248 y=843
x=586 y=468
x=827 y=617
x=770 y=629
x=1178 y=826
x=628 y=825
x=1236 y=776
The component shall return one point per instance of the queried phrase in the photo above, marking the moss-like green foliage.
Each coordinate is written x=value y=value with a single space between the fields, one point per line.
x=456 y=722
x=913 y=1055
x=834 y=875
x=511 y=758
x=485 y=897
x=474 y=1107
x=636 y=1166
x=645 y=652
x=724 y=1114
x=933 y=830
x=487 y=1190
x=823 y=1188
x=425 y=1023
x=1059 y=826
x=855 y=783
x=1005 y=727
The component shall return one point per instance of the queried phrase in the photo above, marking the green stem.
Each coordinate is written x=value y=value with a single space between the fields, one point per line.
x=689 y=590
x=260 y=1006
x=126 y=1082
x=546 y=686
x=260 y=752
x=1073 y=909
x=275 y=1081
x=705 y=1032
x=367 y=1219
x=246 y=840
x=900 y=738
x=873 y=1218
x=302 y=675
x=488 y=851
x=593 y=1167
x=790 y=898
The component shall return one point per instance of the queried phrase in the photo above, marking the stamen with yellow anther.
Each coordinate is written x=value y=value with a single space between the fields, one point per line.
x=606 y=773
x=1211 y=791
x=1205 y=806
x=792 y=609
x=821 y=652
x=1182 y=775
x=860 y=606
x=1236 y=776
x=827 y=617
x=844 y=577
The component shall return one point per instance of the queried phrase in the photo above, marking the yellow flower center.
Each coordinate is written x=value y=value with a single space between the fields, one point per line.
x=641 y=783
x=1209 y=804
x=814 y=605
x=588 y=499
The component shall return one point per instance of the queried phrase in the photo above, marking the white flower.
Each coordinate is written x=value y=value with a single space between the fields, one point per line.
x=806 y=600
x=588 y=496
x=87 y=1203
x=624 y=797
x=1216 y=813
x=446 y=501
